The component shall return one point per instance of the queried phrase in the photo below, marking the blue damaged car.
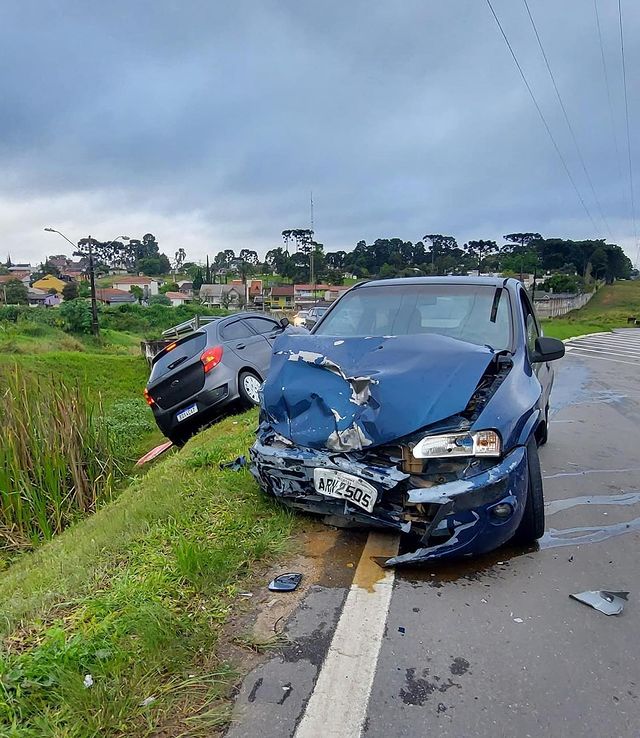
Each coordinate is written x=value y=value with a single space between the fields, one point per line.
x=415 y=405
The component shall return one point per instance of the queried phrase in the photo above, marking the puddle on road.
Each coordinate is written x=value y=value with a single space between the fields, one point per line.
x=576 y=536
x=467 y=570
x=626 y=498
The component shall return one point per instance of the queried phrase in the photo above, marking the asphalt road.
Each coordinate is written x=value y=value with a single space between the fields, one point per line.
x=494 y=646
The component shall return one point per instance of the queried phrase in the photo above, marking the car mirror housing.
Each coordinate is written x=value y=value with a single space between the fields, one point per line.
x=547 y=349
x=284 y=322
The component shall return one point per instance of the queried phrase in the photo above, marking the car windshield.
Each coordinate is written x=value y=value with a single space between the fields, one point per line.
x=469 y=312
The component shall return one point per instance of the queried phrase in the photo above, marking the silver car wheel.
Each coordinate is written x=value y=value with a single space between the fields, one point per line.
x=252 y=386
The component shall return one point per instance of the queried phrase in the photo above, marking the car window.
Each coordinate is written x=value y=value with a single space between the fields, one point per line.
x=233 y=331
x=532 y=330
x=475 y=313
x=263 y=325
x=178 y=354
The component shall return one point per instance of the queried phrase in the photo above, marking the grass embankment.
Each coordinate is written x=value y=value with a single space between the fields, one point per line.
x=609 y=308
x=135 y=597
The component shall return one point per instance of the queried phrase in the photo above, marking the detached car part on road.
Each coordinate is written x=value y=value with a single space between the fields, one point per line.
x=415 y=405
x=194 y=379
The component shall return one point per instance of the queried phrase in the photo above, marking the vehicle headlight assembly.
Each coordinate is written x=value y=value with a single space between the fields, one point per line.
x=480 y=443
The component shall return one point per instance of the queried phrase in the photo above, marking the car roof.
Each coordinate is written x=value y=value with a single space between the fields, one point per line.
x=486 y=281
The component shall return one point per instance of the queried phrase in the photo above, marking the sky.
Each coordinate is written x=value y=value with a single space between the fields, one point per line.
x=209 y=123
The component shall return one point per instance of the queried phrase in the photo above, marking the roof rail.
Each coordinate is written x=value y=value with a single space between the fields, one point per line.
x=189 y=326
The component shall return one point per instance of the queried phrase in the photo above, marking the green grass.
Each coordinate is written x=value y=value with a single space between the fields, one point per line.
x=609 y=308
x=135 y=596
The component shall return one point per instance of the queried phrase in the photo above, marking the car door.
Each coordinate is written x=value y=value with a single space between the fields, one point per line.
x=542 y=369
x=252 y=349
x=269 y=330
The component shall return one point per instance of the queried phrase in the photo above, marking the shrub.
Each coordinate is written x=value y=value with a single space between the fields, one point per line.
x=76 y=315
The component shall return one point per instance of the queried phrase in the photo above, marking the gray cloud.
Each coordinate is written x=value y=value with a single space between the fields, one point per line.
x=209 y=123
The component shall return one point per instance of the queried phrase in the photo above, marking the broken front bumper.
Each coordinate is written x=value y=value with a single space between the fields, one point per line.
x=454 y=518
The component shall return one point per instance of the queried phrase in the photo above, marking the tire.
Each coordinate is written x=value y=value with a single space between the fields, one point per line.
x=178 y=439
x=248 y=384
x=532 y=524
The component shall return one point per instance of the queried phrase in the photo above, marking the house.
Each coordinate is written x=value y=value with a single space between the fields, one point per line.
x=38 y=297
x=113 y=296
x=281 y=297
x=23 y=277
x=21 y=268
x=307 y=295
x=335 y=291
x=186 y=286
x=220 y=295
x=178 y=298
x=49 y=282
x=148 y=285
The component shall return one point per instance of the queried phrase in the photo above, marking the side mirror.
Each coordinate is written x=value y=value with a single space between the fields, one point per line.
x=547 y=349
x=284 y=322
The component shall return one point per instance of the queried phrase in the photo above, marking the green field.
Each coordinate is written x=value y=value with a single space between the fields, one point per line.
x=609 y=308
x=135 y=596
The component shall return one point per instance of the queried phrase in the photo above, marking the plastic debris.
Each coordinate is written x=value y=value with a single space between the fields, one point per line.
x=610 y=603
x=285 y=582
x=234 y=465
x=147 y=701
x=154 y=453
x=402 y=630
x=88 y=681
x=518 y=620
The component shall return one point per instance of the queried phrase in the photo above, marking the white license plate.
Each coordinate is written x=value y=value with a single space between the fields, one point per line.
x=186 y=413
x=346 y=487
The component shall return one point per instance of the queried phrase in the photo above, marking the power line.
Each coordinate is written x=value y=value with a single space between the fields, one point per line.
x=566 y=117
x=606 y=82
x=542 y=118
x=626 y=114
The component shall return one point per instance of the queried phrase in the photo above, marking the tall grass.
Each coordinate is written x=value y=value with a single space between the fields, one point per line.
x=56 y=457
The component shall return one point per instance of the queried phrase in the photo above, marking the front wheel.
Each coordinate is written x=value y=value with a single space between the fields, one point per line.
x=532 y=524
x=249 y=389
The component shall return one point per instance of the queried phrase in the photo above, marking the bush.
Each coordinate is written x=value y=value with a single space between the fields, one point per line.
x=76 y=315
x=159 y=300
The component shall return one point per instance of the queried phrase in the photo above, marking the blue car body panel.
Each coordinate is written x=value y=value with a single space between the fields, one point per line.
x=356 y=404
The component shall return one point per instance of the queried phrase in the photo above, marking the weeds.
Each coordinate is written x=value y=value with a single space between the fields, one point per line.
x=57 y=459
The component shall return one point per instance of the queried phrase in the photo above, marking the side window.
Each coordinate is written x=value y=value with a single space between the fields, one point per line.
x=532 y=331
x=236 y=330
x=263 y=325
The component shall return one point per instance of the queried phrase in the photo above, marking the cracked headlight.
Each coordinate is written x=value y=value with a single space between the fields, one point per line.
x=481 y=443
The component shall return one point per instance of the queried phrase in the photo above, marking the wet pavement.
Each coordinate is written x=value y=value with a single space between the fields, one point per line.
x=494 y=646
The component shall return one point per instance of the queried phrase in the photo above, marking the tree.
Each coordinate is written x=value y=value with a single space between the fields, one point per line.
x=523 y=239
x=76 y=315
x=14 y=292
x=169 y=287
x=154 y=265
x=302 y=237
x=479 y=250
x=159 y=300
x=441 y=247
x=178 y=259
x=70 y=291
x=137 y=292
x=598 y=263
x=198 y=279
x=249 y=256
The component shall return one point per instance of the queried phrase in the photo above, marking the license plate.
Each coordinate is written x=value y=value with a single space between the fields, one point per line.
x=346 y=487
x=186 y=413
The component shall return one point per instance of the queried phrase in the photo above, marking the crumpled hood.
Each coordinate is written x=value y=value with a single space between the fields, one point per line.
x=345 y=394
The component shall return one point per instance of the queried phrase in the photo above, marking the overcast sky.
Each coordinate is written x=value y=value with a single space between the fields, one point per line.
x=208 y=123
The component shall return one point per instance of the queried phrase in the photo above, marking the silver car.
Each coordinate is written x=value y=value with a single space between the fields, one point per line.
x=194 y=379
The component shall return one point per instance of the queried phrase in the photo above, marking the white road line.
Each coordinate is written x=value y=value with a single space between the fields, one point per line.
x=603 y=358
x=626 y=354
x=337 y=707
x=608 y=344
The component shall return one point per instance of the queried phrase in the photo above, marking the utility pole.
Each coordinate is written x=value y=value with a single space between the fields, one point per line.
x=95 y=328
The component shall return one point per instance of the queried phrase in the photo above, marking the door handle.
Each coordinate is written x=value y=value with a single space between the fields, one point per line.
x=240 y=345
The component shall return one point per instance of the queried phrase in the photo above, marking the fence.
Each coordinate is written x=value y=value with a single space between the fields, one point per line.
x=553 y=306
